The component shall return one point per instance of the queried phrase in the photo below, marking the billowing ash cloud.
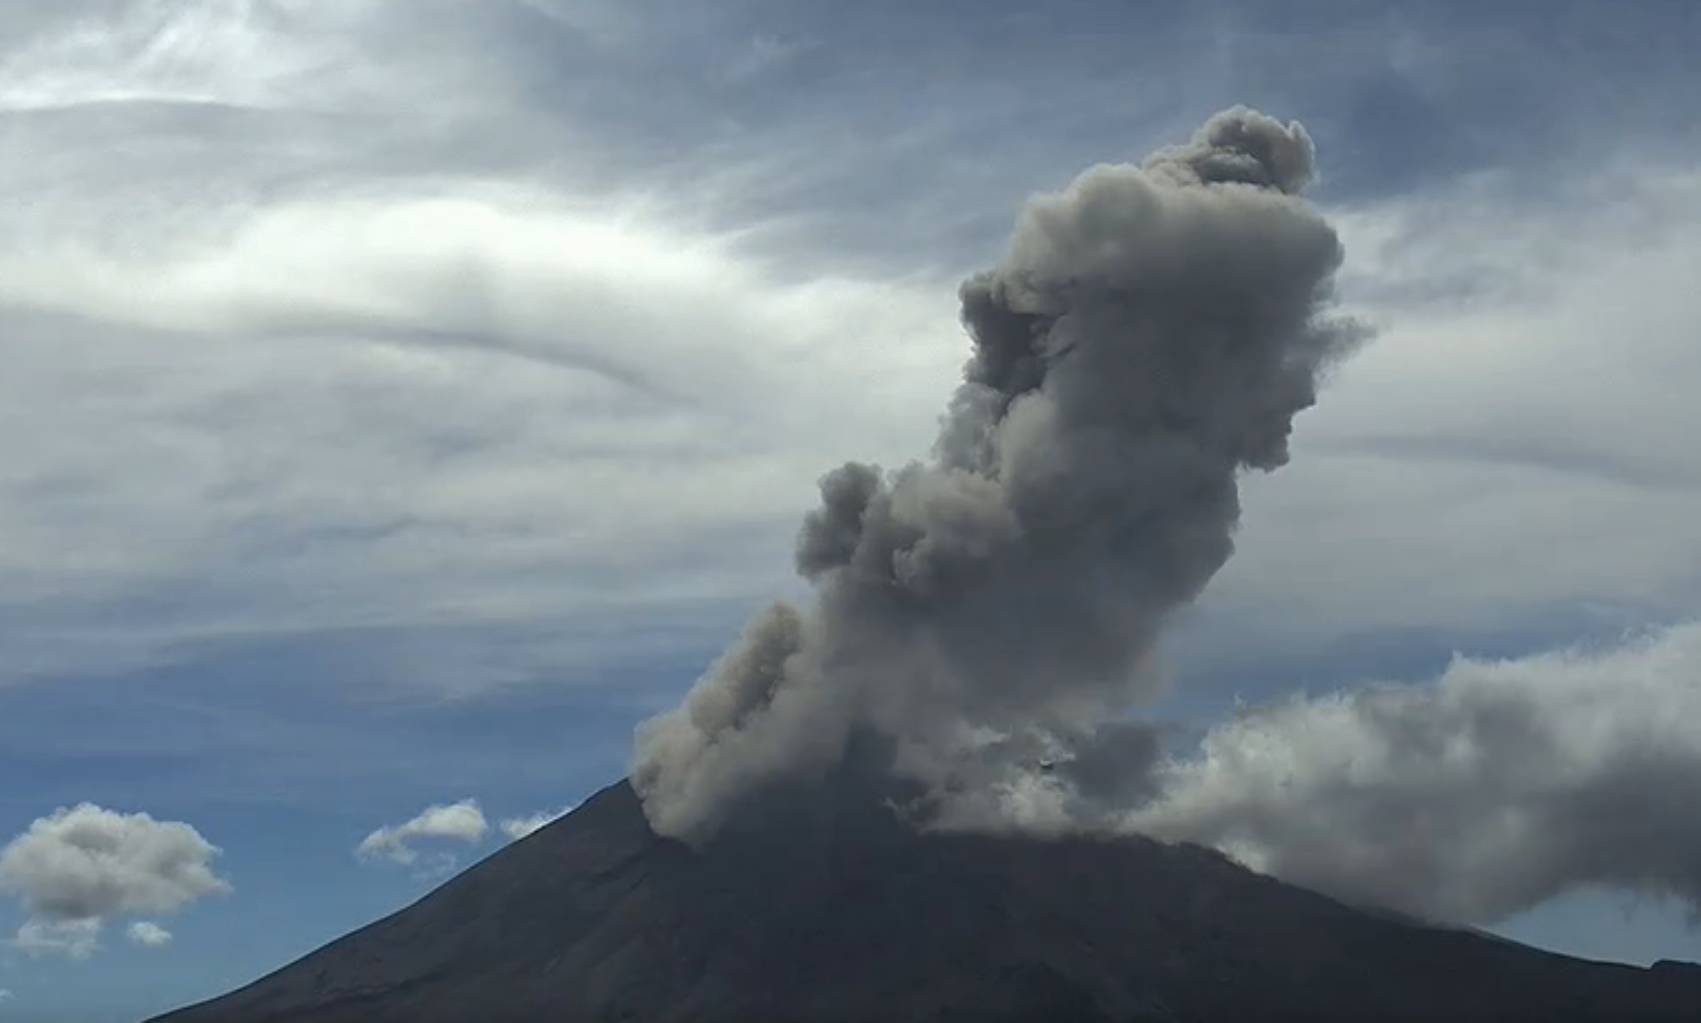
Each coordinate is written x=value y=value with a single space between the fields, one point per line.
x=1483 y=793
x=1151 y=332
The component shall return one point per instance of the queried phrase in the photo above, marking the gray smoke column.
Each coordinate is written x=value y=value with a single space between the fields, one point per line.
x=1151 y=332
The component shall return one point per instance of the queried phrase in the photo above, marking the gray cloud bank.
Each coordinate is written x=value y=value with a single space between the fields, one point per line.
x=1151 y=332
x=402 y=361
x=1497 y=786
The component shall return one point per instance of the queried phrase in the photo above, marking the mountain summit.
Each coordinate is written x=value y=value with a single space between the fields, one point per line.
x=837 y=911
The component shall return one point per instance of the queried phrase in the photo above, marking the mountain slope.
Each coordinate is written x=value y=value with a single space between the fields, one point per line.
x=817 y=911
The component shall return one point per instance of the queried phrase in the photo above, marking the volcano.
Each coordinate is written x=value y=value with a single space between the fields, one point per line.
x=836 y=910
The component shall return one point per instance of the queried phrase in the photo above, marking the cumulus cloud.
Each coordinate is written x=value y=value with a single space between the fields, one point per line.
x=1151 y=332
x=88 y=862
x=1498 y=785
x=448 y=822
x=78 y=867
x=517 y=828
x=148 y=934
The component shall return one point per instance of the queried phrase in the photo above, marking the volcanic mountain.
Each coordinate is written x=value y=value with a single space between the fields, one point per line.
x=828 y=907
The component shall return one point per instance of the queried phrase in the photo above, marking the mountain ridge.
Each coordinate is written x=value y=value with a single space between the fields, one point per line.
x=839 y=912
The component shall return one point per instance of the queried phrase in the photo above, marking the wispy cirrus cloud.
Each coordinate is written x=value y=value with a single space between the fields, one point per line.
x=533 y=425
x=575 y=380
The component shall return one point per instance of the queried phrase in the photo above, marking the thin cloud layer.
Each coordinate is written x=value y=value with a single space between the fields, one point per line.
x=73 y=939
x=523 y=461
x=1487 y=791
x=1475 y=470
x=342 y=296
x=348 y=284
x=79 y=867
x=461 y=822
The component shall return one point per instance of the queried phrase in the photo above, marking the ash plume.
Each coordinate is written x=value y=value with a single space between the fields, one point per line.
x=1150 y=333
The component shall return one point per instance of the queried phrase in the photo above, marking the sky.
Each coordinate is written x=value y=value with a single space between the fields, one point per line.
x=403 y=400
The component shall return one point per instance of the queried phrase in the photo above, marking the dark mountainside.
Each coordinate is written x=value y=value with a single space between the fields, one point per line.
x=833 y=909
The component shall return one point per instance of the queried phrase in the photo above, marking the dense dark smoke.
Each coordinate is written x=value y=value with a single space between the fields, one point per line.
x=1150 y=333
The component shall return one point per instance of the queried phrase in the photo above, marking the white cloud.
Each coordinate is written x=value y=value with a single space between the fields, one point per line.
x=202 y=51
x=456 y=822
x=606 y=411
x=390 y=391
x=76 y=868
x=517 y=828
x=148 y=934
x=1493 y=788
x=74 y=939
x=1513 y=448
x=571 y=415
x=5 y=995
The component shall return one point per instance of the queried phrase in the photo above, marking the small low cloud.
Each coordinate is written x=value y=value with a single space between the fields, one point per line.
x=74 y=939
x=77 y=868
x=149 y=934
x=5 y=996
x=453 y=822
x=517 y=828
